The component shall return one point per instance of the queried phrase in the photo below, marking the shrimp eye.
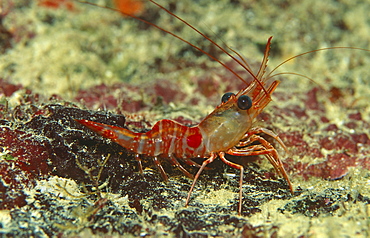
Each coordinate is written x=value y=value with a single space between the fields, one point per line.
x=226 y=97
x=244 y=102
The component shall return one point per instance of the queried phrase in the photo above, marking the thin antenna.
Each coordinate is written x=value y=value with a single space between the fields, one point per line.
x=309 y=52
x=189 y=43
x=218 y=46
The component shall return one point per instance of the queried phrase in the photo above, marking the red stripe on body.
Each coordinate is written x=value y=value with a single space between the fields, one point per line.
x=174 y=138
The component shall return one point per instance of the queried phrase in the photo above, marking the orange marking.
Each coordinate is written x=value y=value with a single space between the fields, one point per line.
x=129 y=7
x=57 y=4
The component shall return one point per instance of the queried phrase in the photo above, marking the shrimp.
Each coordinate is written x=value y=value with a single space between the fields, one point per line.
x=228 y=130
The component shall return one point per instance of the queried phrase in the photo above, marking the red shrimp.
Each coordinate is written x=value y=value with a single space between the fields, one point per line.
x=227 y=130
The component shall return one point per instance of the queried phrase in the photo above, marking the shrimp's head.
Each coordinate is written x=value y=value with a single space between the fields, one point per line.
x=233 y=118
x=230 y=121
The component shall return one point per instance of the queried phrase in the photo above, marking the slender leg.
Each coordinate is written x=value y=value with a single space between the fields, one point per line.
x=138 y=159
x=176 y=163
x=159 y=166
x=173 y=161
x=257 y=130
x=204 y=164
x=253 y=150
x=275 y=160
x=240 y=167
x=264 y=149
x=191 y=162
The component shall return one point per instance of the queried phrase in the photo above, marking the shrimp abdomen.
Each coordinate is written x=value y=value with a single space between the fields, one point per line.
x=166 y=138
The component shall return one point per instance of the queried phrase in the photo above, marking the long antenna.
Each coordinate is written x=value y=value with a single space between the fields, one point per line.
x=215 y=44
x=309 y=52
x=189 y=43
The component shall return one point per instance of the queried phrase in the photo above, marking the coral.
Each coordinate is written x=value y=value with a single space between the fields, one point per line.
x=5 y=35
x=324 y=203
x=41 y=145
x=7 y=89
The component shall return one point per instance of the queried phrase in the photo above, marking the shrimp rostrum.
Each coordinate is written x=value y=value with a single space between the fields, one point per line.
x=227 y=130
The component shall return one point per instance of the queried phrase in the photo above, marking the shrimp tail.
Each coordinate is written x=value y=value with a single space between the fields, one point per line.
x=117 y=134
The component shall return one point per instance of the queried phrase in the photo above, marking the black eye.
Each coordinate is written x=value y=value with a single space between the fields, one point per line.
x=244 y=102
x=226 y=97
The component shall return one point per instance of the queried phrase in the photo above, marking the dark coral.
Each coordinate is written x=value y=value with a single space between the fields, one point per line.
x=25 y=161
x=324 y=203
x=49 y=141
x=5 y=34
